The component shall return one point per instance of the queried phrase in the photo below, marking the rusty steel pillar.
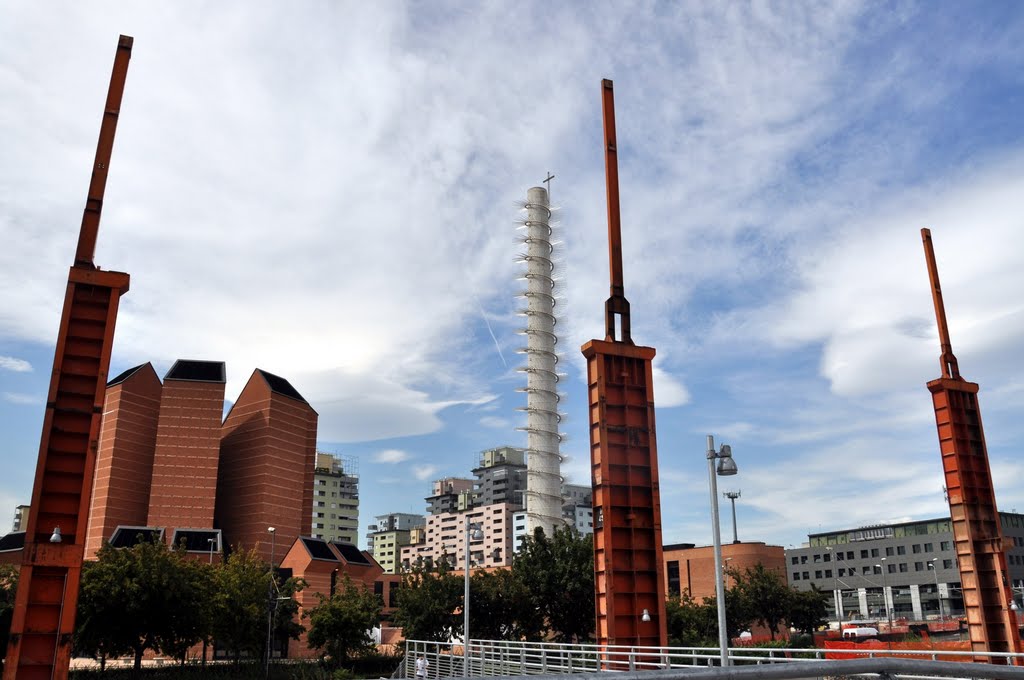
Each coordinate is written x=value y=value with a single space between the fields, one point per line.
x=977 y=530
x=44 y=610
x=628 y=566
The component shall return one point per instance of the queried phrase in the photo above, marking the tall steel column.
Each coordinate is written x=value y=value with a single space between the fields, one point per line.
x=44 y=610
x=977 y=532
x=543 y=476
x=628 y=566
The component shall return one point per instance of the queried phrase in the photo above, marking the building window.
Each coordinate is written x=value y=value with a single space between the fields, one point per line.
x=944 y=545
x=796 y=576
x=839 y=556
x=863 y=556
x=842 y=572
x=817 y=574
x=903 y=567
x=874 y=552
x=901 y=550
x=865 y=570
x=828 y=573
x=889 y=551
x=918 y=566
x=795 y=560
x=807 y=577
x=817 y=558
x=828 y=557
x=929 y=547
x=803 y=560
x=849 y=554
x=916 y=548
x=673 y=577
x=892 y=569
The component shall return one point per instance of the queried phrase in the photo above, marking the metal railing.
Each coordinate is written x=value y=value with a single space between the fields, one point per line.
x=498 y=658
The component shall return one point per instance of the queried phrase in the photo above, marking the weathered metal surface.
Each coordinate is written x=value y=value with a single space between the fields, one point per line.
x=44 y=611
x=977 y=532
x=624 y=461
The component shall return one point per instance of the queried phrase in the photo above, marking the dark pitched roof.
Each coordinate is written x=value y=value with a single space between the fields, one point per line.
x=197 y=540
x=199 y=371
x=280 y=385
x=351 y=553
x=318 y=549
x=128 y=537
x=124 y=376
x=12 y=541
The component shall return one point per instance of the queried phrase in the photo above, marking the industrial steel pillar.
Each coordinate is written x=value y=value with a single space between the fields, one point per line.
x=977 y=531
x=628 y=567
x=44 y=610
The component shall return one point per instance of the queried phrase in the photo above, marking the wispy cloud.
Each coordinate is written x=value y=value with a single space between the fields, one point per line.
x=14 y=365
x=424 y=472
x=20 y=398
x=390 y=456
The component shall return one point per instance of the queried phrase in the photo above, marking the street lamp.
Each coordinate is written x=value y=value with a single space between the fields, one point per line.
x=837 y=593
x=885 y=599
x=726 y=467
x=270 y=597
x=938 y=596
x=475 y=533
x=212 y=542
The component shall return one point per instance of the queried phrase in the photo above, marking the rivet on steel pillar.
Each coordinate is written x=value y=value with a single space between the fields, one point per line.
x=628 y=565
x=44 y=610
x=977 y=531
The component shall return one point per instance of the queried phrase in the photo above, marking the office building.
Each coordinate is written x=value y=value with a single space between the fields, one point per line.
x=903 y=570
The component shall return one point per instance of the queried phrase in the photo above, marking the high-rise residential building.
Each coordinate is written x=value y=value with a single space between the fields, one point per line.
x=335 y=512
x=124 y=457
x=577 y=507
x=20 y=517
x=500 y=477
x=450 y=494
x=267 y=453
x=444 y=538
x=388 y=534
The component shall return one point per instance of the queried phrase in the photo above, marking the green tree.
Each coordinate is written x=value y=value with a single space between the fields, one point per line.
x=502 y=608
x=689 y=623
x=8 y=591
x=767 y=596
x=139 y=598
x=242 y=596
x=559 y=573
x=808 y=610
x=340 y=625
x=428 y=604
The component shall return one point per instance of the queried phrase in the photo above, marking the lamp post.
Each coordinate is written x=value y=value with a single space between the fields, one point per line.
x=837 y=593
x=726 y=466
x=938 y=595
x=270 y=598
x=473 y=532
x=212 y=542
x=885 y=599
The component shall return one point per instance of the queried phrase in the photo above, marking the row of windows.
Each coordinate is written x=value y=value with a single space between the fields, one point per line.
x=902 y=568
x=868 y=553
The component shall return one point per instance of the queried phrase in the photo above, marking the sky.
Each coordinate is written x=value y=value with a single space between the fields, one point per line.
x=331 y=192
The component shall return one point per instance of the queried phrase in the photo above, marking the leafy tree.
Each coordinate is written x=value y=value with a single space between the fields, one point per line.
x=689 y=623
x=428 y=602
x=559 y=574
x=242 y=595
x=190 y=586
x=502 y=608
x=139 y=598
x=340 y=625
x=808 y=610
x=8 y=591
x=767 y=595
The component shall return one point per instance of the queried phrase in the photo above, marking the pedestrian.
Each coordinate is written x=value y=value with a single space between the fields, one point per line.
x=422 y=667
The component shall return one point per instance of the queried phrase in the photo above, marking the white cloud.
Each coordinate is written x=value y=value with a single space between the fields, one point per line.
x=390 y=456
x=20 y=398
x=496 y=422
x=14 y=365
x=424 y=472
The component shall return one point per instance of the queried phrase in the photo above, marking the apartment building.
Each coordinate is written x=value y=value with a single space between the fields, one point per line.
x=386 y=536
x=335 y=498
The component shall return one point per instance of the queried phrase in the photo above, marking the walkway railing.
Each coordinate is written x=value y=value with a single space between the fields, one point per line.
x=497 y=658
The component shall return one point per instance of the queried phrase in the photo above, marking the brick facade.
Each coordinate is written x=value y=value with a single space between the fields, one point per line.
x=124 y=460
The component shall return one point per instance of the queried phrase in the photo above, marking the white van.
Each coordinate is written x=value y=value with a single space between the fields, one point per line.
x=855 y=633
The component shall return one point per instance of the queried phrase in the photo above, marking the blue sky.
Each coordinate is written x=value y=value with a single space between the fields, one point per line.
x=330 y=192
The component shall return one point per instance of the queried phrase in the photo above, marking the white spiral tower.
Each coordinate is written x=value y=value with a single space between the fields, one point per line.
x=543 y=475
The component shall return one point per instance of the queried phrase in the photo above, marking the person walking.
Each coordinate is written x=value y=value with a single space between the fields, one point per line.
x=422 y=667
